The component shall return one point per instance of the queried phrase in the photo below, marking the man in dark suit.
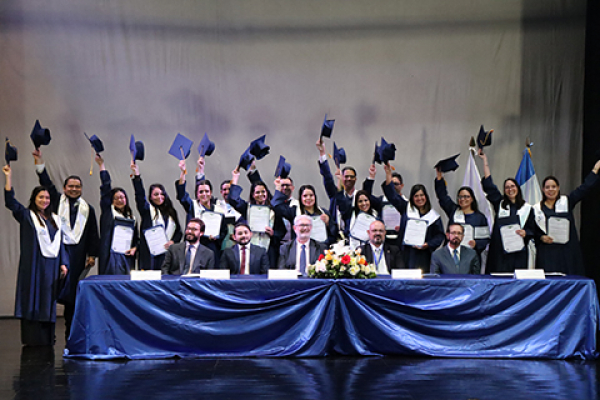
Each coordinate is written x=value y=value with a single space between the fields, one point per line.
x=255 y=258
x=385 y=256
x=189 y=256
x=454 y=258
x=303 y=251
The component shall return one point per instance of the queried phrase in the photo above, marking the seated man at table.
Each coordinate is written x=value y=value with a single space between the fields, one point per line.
x=303 y=251
x=244 y=258
x=454 y=258
x=189 y=256
x=385 y=256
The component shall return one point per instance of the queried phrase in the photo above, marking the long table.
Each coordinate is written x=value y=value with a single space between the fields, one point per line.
x=450 y=316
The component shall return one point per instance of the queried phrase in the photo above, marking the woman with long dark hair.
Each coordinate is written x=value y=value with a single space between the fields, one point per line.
x=42 y=262
x=510 y=209
x=556 y=253
x=158 y=215
x=118 y=228
x=418 y=207
x=364 y=203
x=465 y=211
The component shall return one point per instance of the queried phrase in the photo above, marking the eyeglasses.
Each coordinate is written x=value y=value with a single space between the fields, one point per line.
x=457 y=233
x=286 y=185
x=304 y=225
x=464 y=197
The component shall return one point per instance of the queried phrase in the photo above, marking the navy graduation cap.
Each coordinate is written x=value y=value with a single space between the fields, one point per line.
x=40 y=136
x=136 y=149
x=258 y=148
x=246 y=159
x=339 y=155
x=484 y=138
x=283 y=168
x=10 y=152
x=387 y=151
x=206 y=147
x=448 y=164
x=327 y=128
x=180 y=149
x=96 y=143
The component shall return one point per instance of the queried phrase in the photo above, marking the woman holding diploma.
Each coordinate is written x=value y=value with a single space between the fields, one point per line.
x=308 y=206
x=421 y=227
x=465 y=212
x=258 y=212
x=159 y=227
x=366 y=209
x=514 y=225
x=118 y=229
x=558 y=248
x=202 y=207
x=42 y=262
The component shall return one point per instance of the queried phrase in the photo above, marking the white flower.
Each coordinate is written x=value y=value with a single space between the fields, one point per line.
x=354 y=270
x=367 y=270
x=340 y=248
x=320 y=266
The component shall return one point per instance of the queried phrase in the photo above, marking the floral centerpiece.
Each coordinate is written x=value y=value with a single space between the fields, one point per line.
x=341 y=262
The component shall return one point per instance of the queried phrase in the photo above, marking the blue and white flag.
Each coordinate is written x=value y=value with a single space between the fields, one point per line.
x=473 y=180
x=527 y=180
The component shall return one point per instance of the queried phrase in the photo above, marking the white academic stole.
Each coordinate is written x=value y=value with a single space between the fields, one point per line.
x=73 y=236
x=157 y=219
x=430 y=217
x=523 y=213
x=49 y=248
x=560 y=206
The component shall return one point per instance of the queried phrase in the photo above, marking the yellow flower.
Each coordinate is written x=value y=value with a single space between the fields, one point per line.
x=328 y=256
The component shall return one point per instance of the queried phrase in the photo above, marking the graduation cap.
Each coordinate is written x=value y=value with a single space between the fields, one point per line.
x=484 y=138
x=448 y=164
x=258 y=148
x=246 y=159
x=387 y=151
x=40 y=136
x=376 y=157
x=206 y=147
x=96 y=143
x=339 y=155
x=327 y=128
x=10 y=152
x=136 y=149
x=283 y=169
x=180 y=149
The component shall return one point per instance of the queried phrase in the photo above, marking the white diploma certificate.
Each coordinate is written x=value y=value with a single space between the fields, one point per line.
x=558 y=229
x=122 y=236
x=481 y=232
x=415 y=232
x=319 y=229
x=511 y=241
x=468 y=236
x=259 y=217
x=212 y=223
x=361 y=226
x=156 y=238
x=390 y=216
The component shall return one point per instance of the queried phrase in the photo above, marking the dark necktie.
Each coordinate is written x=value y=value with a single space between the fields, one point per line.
x=72 y=212
x=303 y=260
x=243 y=262
x=456 y=260
x=188 y=258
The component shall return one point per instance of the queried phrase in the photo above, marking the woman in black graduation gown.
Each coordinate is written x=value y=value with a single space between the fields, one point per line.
x=465 y=212
x=42 y=262
x=158 y=212
x=560 y=255
x=115 y=213
x=365 y=203
x=418 y=207
x=510 y=209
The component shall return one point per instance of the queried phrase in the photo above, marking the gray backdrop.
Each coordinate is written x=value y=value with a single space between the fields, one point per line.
x=424 y=74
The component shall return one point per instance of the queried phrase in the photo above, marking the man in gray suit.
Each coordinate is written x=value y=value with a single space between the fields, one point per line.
x=255 y=258
x=189 y=256
x=303 y=251
x=454 y=258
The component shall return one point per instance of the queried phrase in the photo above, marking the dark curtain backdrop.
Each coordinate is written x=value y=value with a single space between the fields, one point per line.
x=423 y=74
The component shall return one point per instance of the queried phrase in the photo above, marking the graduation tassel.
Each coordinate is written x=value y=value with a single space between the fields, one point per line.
x=183 y=158
x=92 y=163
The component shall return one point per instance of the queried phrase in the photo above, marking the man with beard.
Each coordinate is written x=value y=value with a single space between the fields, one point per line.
x=245 y=258
x=80 y=233
x=385 y=256
x=303 y=251
x=454 y=258
x=189 y=256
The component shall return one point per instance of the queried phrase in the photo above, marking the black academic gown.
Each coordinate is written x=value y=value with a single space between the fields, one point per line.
x=499 y=260
x=146 y=260
x=434 y=236
x=38 y=277
x=111 y=263
x=78 y=253
x=565 y=258
x=188 y=205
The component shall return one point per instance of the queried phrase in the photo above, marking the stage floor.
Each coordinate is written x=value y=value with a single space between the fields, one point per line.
x=41 y=373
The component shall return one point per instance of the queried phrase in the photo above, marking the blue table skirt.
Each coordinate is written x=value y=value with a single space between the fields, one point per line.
x=458 y=316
